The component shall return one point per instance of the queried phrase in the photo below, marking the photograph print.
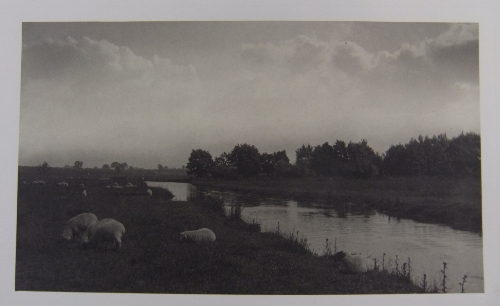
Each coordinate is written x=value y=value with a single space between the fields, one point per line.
x=249 y=157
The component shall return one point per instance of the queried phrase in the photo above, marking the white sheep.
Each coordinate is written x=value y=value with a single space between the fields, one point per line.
x=201 y=235
x=110 y=232
x=150 y=192
x=64 y=184
x=84 y=193
x=107 y=186
x=354 y=263
x=77 y=226
x=92 y=228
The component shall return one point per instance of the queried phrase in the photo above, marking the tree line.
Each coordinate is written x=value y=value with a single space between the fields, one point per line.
x=435 y=155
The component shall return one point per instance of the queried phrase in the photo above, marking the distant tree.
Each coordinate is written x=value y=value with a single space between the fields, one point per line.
x=119 y=166
x=78 y=164
x=200 y=163
x=322 y=160
x=95 y=168
x=396 y=161
x=246 y=159
x=464 y=152
x=105 y=166
x=223 y=167
x=340 y=151
x=304 y=154
x=131 y=168
x=275 y=163
x=160 y=167
x=363 y=162
x=67 y=166
x=43 y=168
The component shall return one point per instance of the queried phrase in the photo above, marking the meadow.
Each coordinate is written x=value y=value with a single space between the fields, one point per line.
x=242 y=260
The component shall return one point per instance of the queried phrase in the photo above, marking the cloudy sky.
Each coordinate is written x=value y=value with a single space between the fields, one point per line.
x=149 y=93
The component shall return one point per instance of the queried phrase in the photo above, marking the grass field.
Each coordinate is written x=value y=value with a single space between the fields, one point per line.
x=153 y=260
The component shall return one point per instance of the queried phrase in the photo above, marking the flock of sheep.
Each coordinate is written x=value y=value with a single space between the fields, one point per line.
x=86 y=229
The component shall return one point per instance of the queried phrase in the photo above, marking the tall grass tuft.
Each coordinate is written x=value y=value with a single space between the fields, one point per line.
x=328 y=249
x=235 y=210
x=463 y=283
x=443 y=283
x=424 y=284
x=300 y=241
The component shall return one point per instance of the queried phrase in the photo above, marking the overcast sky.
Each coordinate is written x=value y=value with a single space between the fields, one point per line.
x=149 y=93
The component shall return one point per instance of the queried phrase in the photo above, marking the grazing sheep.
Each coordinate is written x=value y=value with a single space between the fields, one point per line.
x=150 y=192
x=353 y=263
x=84 y=193
x=64 y=184
x=91 y=229
x=107 y=233
x=107 y=186
x=130 y=185
x=201 y=235
x=77 y=226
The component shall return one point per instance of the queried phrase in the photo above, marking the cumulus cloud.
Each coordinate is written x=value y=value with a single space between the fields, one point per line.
x=96 y=96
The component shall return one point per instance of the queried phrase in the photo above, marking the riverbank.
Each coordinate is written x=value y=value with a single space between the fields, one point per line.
x=455 y=202
x=152 y=260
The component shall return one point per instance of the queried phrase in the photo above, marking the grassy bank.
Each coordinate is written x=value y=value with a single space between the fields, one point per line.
x=152 y=260
x=451 y=201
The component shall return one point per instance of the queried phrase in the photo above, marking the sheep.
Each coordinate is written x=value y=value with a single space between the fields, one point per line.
x=76 y=226
x=107 y=186
x=130 y=185
x=84 y=193
x=82 y=185
x=63 y=184
x=150 y=192
x=200 y=235
x=108 y=232
x=353 y=263
x=91 y=229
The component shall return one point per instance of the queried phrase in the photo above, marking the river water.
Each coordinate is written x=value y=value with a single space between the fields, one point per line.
x=349 y=229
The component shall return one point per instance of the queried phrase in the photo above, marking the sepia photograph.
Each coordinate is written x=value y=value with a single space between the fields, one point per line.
x=252 y=157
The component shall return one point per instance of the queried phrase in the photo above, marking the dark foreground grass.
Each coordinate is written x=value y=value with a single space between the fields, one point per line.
x=451 y=201
x=152 y=260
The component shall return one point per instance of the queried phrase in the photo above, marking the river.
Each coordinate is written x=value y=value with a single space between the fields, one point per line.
x=349 y=229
